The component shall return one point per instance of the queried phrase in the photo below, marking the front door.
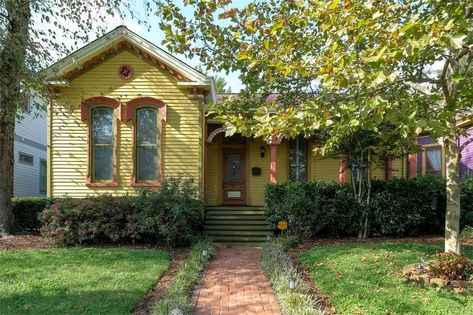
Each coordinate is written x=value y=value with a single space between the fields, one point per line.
x=234 y=171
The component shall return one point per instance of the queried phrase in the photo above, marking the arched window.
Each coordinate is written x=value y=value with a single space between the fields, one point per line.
x=147 y=115
x=147 y=143
x=101 y=115
x=102 y=144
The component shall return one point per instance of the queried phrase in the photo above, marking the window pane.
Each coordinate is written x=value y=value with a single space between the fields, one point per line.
x=147 y=163
x=102 y=125
x=147 y=126
x=103 y=162
x=298 y=159
x=42 y=177
x=433 y=157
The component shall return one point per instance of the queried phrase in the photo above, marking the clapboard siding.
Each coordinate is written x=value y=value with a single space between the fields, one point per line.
x=30 y=138
x=182 y=137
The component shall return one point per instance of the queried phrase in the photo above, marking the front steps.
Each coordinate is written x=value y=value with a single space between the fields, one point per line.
x=236 y=225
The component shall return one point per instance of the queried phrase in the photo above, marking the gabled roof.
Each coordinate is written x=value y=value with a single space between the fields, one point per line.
x=122 y=37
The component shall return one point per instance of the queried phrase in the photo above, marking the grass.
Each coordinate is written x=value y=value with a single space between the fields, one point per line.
x=278 y=266
x=365 y=279
x=77 y=280
x=179 y=291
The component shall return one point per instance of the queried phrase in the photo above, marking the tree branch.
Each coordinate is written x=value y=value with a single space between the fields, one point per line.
x=467 y=142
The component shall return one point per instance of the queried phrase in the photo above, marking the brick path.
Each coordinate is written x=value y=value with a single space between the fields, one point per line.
x=234 y=283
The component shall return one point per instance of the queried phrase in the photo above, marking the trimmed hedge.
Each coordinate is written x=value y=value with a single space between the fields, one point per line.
x=171 y=215
x=26 y=211
x=399 y=207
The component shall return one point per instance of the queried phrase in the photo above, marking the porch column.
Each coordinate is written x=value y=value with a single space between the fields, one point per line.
x=206 y=162
x=412 y=165
x=342 y=173
x=273 y=143
x=389 y=169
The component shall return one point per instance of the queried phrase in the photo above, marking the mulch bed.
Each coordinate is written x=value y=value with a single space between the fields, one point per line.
x=146 y=305
x=22 y=241
x=304 y=270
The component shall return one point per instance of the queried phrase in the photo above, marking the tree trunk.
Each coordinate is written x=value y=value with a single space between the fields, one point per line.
x=12 y=69
x=452 y=217
x=7 y=131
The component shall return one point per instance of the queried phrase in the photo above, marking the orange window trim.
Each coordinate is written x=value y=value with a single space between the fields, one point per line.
x=131 y=107
x=86 y=108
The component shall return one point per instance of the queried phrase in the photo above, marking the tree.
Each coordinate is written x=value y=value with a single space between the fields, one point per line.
x=33 y=34
x=221 y=85
x=342 y=65
x=220 y=82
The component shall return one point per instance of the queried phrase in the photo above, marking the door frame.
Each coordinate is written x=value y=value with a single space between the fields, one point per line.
x=240 y=149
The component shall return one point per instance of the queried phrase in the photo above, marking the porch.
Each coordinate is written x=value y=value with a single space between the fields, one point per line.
x=237 y=169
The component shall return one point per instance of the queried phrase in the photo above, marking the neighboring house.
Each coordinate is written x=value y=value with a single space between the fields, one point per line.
x=124 y=114
x=30 y=168
x=431 y=158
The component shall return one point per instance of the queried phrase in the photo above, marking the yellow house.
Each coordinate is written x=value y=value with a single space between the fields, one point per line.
x=124 y=114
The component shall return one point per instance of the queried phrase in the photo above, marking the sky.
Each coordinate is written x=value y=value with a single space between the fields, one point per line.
x=156 y=36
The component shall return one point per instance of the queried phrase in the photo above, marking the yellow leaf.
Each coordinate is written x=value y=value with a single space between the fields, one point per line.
x=334 y=4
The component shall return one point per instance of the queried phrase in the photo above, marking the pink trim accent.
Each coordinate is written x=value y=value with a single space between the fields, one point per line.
x=342 y=174
x=98 y=100
x=412 y=165
x=131 y=105
x=274 y=141
x=214 y=133
x=389 y=169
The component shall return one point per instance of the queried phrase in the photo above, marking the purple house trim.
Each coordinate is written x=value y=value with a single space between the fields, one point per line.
x=466 y=162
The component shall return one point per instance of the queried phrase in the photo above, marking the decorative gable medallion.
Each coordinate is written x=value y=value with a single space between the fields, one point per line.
x=125 y=72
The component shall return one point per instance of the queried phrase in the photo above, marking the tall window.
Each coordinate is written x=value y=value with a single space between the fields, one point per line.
x=42 y=177
x=102 y=144
x=147 y=160
x=433 y=160
x=298 y=159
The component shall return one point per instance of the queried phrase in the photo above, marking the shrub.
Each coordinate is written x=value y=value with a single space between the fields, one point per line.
x=101 y=219
x=171 y=215
x=406 y=207
x=451 y=266
x=26 y=211
x=398 y=207
x=466 y=198
x=179 y=291
x=312 y=208
x=278 y=266
x=467 y=234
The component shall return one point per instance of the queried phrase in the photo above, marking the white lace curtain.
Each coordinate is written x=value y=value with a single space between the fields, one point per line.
x=434 y=160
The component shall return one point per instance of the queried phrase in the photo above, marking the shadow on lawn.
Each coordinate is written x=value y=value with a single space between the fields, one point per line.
x=62 y=302
x=368 y=276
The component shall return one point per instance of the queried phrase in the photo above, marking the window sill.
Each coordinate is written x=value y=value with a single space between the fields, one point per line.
x=146 y=184
x=101 y=184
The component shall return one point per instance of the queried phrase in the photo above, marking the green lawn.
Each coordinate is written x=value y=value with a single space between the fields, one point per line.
x=365 y=279
x=77 y=280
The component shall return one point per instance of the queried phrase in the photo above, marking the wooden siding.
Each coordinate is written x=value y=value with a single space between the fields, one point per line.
x=181 y=141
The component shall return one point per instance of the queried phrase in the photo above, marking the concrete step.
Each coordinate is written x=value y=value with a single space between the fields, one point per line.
x=214 y=227
x=234 y=208
x=233 y=217
x=235 y=212
x=237 y=233
x=229 y=238
x=227 y=222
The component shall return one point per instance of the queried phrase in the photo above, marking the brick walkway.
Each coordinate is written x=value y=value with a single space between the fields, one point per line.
x=234 y=283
